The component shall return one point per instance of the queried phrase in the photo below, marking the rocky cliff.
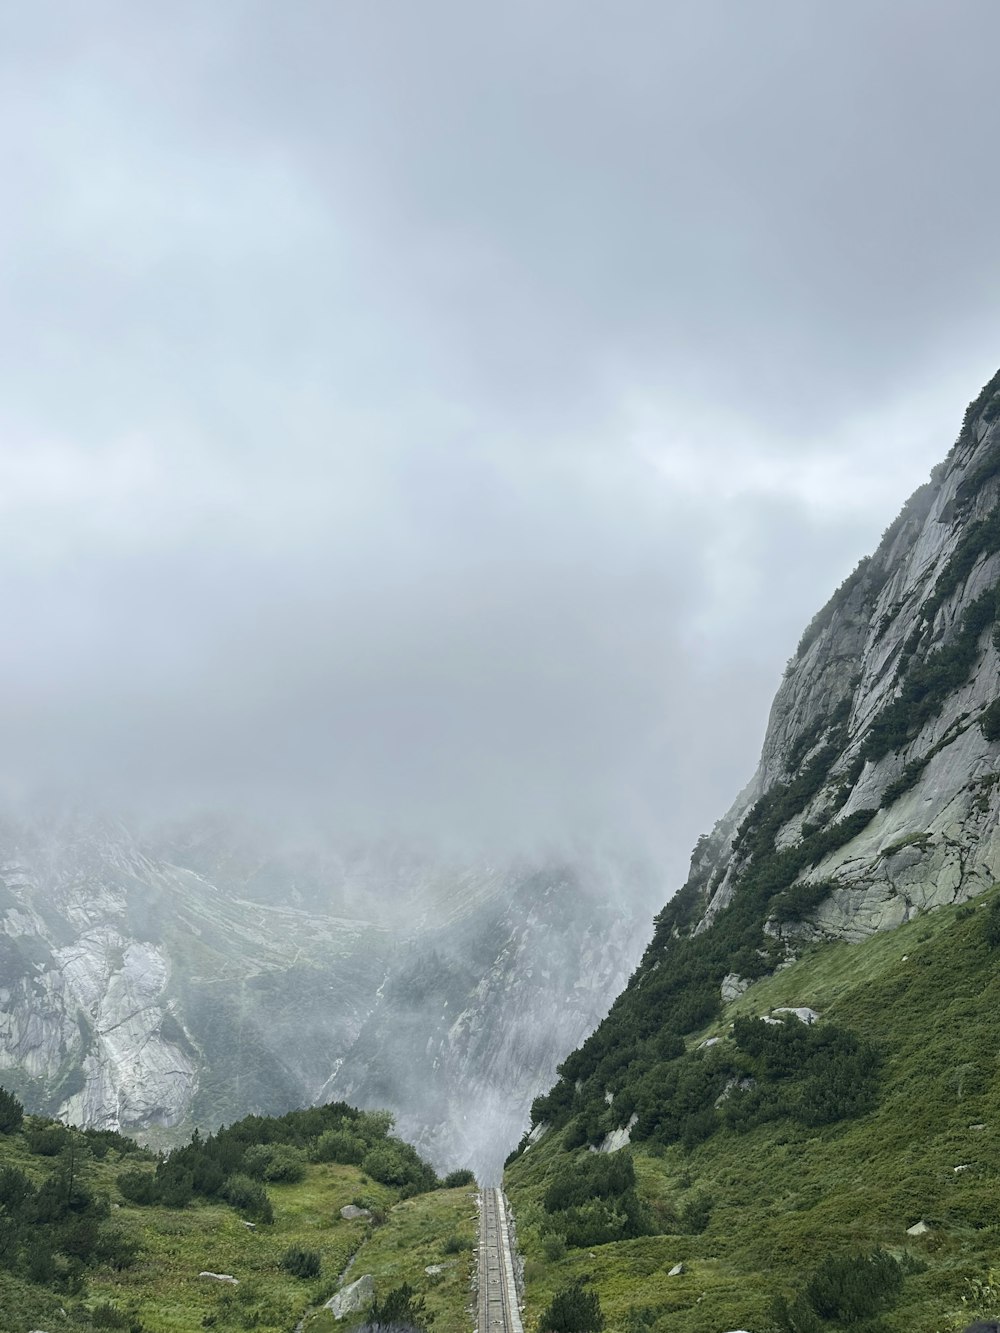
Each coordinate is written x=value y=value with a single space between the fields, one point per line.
x=474 y=1017
x=881 y=754
x=189 y=977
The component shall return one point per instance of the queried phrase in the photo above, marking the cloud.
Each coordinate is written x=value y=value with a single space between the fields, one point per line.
x=446 y=419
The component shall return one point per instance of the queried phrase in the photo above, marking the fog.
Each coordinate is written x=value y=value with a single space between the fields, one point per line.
x=424 y=421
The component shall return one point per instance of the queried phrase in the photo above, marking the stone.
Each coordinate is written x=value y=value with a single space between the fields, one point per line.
x=804 y=1015
x=352 y=1297
x=352 y=1211
x=619 y=1138
x=966 y=1167
x=250 y=1226
x=733 y=986
x=920 y=1228
x=432 y=1270
x=221 y=1277
x=676 y=1271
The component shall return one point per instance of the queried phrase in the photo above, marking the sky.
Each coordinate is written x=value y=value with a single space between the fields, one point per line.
x=444 y=418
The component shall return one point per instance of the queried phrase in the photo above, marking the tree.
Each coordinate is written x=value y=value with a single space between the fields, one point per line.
x=11 y=1112
x=401 y=1308
x=574 y=1309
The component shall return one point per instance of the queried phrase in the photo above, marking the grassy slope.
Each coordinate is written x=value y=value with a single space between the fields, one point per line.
x=163 y=1288
x=785 y=1196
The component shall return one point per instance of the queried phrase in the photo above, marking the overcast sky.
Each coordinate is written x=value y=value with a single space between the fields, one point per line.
x=448 y=415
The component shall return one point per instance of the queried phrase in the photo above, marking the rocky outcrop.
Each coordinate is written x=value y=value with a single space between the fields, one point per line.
x=353 y=1297
x=137 y=993
x=887 y=725
x=469 y=1028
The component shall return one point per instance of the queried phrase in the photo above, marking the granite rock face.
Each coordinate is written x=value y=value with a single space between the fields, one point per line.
x=180 y=979
x=930 y=779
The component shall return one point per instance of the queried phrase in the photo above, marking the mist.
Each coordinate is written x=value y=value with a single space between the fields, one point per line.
x=420 y=423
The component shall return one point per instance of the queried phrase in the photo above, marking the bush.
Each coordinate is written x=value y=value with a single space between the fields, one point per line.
x=11 y=1112
x=250 y=1197
x=991 y=923
x=48 y=1140
x=275 y=1162
x=457 y=1245
x=106 y=1315
x=336 y=1145
x=990 y=721
x=854 y=1287
x=696 y=1213
x=137 y=1186
x=301 y=1263
x=573 y=1310
x=455 y=1178
x=402 y=1308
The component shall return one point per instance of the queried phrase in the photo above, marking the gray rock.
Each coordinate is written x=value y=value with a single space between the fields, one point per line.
x=801 y=1012
x=351 y=1211
x=676 y=1271
x=221 y=1277
x=432 y=1270
x=920 y=1228
x=352 y=1297
x=937 y=843
x=733 y=986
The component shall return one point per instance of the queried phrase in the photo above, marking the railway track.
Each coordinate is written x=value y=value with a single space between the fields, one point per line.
x=498 y=1312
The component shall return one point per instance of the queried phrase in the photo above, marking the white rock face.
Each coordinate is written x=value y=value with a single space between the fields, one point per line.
x=352 y=1297
x=136 y=992
x=939 y=841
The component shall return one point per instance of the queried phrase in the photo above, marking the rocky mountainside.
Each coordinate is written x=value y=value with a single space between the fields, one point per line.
x=473 y=1011
x=886 y=726
x=190 y=976
x=802 y=1070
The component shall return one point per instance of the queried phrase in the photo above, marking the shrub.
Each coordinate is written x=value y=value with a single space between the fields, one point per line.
x=991 y=923
x=336 y=1145
x=854 y=1287
x=301 y=1263
x=457 y=1245
x=11 y=1112
x=275 y=1162
x=696 y=1213
x=455 y=1178
x=990 y=721
x=402 y=1307
x=48 y=1140
x=250 y=1197
x=137 y=1186
x=574 y=1309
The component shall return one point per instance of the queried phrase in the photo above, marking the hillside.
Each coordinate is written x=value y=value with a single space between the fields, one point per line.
x=96 y=1233
x=763 y=1148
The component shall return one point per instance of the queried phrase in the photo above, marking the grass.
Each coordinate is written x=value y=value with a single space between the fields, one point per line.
x=424 y=1232
x=785 y=1196
x=164 y=1292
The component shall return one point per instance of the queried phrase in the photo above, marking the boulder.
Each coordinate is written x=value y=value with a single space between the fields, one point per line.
x=733 y=986
x=221 y=1277
x=920 y=1228
x=676 y=1271
x=352 y=1211
x=352 y=1297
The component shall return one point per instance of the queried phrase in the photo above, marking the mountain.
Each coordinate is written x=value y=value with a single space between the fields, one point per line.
x=473 y=1011
x=803 y=1064
x=154 y=980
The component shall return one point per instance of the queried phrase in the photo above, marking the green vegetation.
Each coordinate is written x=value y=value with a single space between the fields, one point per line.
x=990 y=721
x=400 y=1308
x=574 y=1309
x=790 y=1212
x=927 y=684
x=251 y=1201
